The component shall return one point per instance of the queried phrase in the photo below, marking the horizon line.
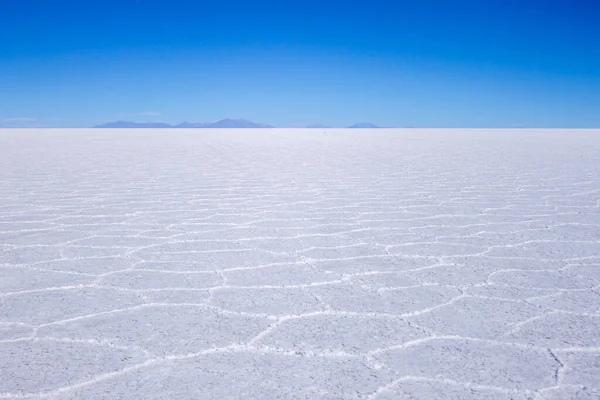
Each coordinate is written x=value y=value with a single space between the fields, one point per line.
x=307 y=128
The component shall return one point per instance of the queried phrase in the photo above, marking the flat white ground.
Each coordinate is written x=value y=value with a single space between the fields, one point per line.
x=304 y=264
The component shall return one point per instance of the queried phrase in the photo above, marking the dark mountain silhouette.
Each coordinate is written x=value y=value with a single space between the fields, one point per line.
x=235 y=123
x=363 y=125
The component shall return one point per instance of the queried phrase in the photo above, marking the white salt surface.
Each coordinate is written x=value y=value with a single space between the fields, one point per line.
x=304 y=264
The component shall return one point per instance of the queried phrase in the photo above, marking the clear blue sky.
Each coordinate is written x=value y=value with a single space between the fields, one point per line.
x=484 y=63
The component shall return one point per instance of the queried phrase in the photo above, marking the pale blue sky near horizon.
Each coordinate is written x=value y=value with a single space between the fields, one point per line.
x=433 y=63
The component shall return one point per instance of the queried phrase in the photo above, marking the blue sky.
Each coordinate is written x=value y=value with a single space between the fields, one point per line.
x=490 y=63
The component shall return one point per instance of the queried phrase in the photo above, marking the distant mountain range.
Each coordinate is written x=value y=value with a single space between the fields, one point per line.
x=223 y=123
x=127 y=124
x=364 y=125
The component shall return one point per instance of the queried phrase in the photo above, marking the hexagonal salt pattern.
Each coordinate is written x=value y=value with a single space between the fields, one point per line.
x=282 y=264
